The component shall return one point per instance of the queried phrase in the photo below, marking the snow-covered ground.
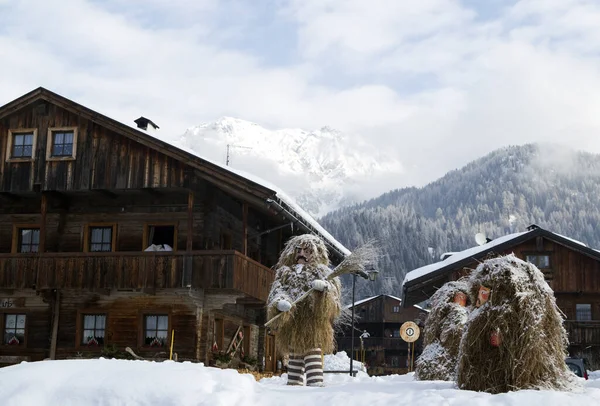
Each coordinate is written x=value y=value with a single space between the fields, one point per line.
x=120 y=382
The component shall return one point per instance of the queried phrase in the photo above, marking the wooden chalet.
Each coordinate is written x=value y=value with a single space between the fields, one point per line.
x=571 y=268
x=384 y=351
x=111 y=237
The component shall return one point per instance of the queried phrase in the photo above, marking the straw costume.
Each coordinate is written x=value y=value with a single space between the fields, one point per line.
x=514 y=338
x=307 y=327
x=443 y=332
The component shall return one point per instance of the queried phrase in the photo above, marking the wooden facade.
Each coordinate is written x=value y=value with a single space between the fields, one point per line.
x=571 y=269
x=83 y=198
x=384 y=351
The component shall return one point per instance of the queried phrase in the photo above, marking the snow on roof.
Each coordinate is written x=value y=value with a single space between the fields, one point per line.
x=427 y=269
x=361 y=301
x=571 y=239
x=422 y=308
x=371 y=298
x=281 y=195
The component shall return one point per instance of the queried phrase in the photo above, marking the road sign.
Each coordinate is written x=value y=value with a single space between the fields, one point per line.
x=410 y=332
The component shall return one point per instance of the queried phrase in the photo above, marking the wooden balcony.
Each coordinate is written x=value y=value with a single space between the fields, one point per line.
x=146 y=271
x=373 y=343
x=583 y=333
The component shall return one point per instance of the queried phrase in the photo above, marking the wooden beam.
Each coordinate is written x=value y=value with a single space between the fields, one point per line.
x=152 y=192
x=44 y=208
x=9 y=196
x=190 y=222
x=245 y=227
x=55 y=325
x=107 y=193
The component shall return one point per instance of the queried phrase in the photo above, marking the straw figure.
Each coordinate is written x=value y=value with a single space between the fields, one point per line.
x=304 y=328
x=514 y=338
x=443 y=331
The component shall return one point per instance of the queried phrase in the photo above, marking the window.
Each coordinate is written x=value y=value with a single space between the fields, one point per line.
x=29 y=239
x=396 y=333
x=396 y=309
x=541 y=261
x=101 y=239
x=583 y=312
x=94 y=326
x=62 y=143
x=156 y=329
x=395 y=362
x=26 y=238
x=21 y=144
x=162 y=236
x=14 y=329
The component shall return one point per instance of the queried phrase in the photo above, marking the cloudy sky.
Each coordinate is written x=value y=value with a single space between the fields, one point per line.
x=439 y=82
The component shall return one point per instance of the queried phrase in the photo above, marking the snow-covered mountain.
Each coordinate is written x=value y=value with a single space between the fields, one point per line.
x=322 y=169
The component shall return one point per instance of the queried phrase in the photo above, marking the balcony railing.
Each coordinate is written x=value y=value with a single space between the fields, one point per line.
x=372 y=343
x=583 y=332
x=146 y=271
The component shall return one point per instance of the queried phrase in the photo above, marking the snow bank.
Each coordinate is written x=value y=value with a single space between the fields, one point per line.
x=132 y=383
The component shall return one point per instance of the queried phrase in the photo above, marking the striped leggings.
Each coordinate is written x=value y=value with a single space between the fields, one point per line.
x=310 y=362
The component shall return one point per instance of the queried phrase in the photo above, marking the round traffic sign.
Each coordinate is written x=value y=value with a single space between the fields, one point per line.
x=410 y=332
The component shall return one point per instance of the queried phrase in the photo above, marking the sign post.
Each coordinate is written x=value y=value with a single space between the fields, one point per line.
x=410 y=332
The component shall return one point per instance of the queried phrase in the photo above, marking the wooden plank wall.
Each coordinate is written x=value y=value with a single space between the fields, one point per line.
x=38 y=313
x=188 y=314
x=125 y=312
x=571 y=271
x=105 y=159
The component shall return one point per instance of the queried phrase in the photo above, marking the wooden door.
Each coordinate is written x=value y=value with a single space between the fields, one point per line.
x=270 y=354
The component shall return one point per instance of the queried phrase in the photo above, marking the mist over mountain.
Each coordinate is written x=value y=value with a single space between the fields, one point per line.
x=322 y=169
x=503 y=192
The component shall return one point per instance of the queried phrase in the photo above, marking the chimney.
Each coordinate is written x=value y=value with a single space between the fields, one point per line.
x=146 y=124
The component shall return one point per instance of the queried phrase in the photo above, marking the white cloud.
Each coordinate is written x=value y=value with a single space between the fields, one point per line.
x=426 y=80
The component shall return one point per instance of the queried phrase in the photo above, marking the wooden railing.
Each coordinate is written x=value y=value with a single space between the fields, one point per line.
x=136 y=270
x=372 y=343
x=583 y=332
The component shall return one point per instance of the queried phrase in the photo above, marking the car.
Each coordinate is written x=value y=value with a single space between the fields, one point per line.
x=577 y=366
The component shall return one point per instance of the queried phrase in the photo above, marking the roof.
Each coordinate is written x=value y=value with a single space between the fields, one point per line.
x=429 y=273
x=255 y=189
x=368 y=299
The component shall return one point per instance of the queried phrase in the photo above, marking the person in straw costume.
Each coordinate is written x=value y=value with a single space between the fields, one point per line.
x=514 y=337
x=443 y=331
x=307 y=327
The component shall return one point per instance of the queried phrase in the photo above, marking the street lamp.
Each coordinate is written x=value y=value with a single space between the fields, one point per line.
x=371 y=275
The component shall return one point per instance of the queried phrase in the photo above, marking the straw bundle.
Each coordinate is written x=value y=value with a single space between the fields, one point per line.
x=522 y=312
x=443 y=332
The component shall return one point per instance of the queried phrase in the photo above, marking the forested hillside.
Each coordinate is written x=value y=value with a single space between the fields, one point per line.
x=503 y=192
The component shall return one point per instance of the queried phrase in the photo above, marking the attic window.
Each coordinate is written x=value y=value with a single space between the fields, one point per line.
x=62 y=143
x=583 y=312
x=541 y=261
x=21 y=144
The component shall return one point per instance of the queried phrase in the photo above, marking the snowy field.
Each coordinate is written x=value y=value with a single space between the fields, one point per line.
x=120 y=382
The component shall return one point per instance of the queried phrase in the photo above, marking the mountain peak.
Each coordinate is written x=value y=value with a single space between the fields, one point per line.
x=321 y=168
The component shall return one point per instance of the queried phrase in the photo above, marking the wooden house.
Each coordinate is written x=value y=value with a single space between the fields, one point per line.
x=111 y=237
x=384 y=351
x=571 y=268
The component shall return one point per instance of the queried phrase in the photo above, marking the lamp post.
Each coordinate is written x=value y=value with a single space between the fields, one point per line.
x=371 y=275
